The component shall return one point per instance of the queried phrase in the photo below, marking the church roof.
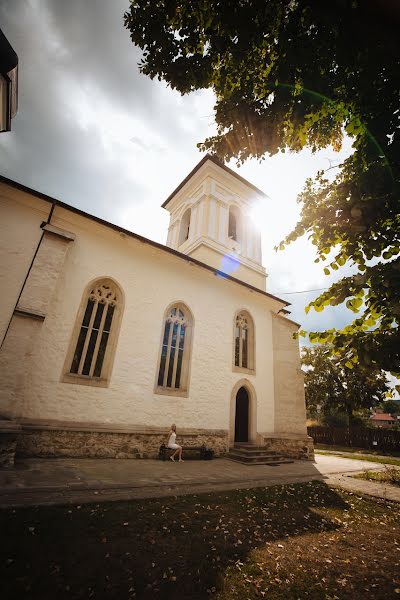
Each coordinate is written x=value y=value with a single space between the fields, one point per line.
x=220 y=164
x=55 y=202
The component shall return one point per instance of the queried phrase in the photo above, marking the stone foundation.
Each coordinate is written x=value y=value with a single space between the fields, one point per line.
x=290 y=445
x=9 y=433
x=81 y=442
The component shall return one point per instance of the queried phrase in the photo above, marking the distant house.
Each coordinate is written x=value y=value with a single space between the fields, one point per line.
x=380 y=419
x=8 y=83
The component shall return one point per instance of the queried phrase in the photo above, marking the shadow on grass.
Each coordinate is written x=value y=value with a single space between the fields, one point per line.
x=166 y=548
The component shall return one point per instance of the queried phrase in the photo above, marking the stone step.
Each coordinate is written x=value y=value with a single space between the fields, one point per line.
x=248 y=450
x=253 y=455
x=261 y=461
x=256 y=455
x=243 y=446
x=249 y=454
x=256 y=459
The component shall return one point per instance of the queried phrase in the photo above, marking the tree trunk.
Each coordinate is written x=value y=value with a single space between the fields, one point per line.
x=350 y=415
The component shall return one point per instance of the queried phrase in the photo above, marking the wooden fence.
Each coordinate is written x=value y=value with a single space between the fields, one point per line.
x=384 y=440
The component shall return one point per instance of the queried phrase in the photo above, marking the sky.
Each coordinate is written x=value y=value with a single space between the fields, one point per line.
x=95 y=133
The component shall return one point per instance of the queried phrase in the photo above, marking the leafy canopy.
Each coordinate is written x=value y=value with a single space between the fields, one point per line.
x=391 y=407
x=332 y=387
x=294 y=73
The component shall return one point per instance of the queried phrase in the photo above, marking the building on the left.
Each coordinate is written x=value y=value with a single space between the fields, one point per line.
x=8 y=83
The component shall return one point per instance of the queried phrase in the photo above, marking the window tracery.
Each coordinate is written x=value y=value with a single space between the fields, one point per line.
x=95 y=331
x=244 y=341
x=174 y=359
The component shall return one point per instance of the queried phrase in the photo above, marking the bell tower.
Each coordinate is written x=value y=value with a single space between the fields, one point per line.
x=210 y=221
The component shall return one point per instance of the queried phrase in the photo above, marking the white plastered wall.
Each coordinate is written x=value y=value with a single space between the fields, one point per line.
x=210 y=193
x=151 y=279
x=290 y=412
x=20 y=232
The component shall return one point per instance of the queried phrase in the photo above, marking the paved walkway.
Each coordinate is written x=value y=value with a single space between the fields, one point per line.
x=60 y=481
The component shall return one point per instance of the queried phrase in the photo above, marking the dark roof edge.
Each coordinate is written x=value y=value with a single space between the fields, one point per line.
x=219 y=163
x=8 y=56
x=283 y=316
x=185 y=257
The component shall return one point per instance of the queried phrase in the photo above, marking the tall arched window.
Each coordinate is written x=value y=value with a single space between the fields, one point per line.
x=173 y=371
x=233 y=224
x=94 y=339
x=244 y=341
x=185 y=226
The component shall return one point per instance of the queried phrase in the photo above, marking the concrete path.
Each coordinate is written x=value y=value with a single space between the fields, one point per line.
x=60 y=481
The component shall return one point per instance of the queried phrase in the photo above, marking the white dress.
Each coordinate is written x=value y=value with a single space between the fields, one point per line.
x=172 y=441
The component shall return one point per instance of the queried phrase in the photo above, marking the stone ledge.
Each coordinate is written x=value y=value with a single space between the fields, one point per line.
x=62 y=233
x=286 y=436
x=54 y=425
x=29 y=313
x=9 y=426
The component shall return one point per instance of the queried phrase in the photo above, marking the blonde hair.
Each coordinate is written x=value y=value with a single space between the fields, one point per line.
x=173 y=428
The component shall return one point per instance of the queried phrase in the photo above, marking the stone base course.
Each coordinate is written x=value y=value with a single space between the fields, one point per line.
x=9 y=433
x=43 y=443
x=80 y=440
x=290 y=445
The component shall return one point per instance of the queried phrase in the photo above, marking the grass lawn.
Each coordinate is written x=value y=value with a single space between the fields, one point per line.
x=286 y=542
x=353 y=450
x=389 y=475
x=387 y=460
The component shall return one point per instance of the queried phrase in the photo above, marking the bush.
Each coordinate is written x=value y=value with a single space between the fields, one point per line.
x=336 y=420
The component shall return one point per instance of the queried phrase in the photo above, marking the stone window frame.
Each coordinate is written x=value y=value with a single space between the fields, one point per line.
x=251 y=349
x=183 y=390
x=106 y=370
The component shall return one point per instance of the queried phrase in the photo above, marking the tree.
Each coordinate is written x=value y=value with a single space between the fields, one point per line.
x=332 y=387
x=294 y=73
x=391 y=407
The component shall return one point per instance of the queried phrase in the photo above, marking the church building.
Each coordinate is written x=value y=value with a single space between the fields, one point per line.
x=108 y=337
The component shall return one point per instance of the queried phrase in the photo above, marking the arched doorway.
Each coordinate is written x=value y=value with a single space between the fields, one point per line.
x=242 y=416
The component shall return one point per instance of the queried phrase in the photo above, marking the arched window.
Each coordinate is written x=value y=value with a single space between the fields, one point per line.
x=94 y=339
x=233 y=224
x=244 y=341
x=175 y=350
x=185 y=226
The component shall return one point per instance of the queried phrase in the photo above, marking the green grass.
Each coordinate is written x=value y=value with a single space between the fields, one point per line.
x=284 y=542
x=366 y=451
x=389 y=475
x=386 y=460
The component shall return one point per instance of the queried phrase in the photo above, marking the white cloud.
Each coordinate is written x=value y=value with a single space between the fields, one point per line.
x=94 y=132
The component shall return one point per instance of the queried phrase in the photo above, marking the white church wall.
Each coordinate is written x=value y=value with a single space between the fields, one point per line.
x=20 y=219
x=151 y=279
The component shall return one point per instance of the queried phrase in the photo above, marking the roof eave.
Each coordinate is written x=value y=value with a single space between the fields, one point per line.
x=140 y=238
